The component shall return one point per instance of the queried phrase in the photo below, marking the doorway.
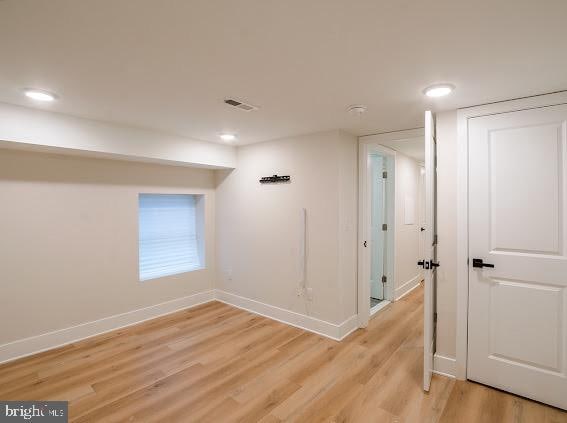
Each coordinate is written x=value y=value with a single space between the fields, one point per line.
x=390 y=214
x=376 y=216
x=378 y=222
x=410 y=232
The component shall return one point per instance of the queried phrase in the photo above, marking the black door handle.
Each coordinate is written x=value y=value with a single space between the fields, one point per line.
x=432 y=264
x=365 y=244
x=422 y=229
x=480 y=263
x=424 y=264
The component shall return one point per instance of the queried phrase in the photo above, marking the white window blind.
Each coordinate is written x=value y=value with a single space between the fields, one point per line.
x=168 y=235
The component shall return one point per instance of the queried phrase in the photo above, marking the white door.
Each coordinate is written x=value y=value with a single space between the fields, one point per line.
x=422 y=223
x=517 y=336
x=377 y=220
x=430 y=258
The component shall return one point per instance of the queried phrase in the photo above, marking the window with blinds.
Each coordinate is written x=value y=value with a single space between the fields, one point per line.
x=168 y=235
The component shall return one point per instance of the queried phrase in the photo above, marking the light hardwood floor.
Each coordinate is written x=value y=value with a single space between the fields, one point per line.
x=221 y=364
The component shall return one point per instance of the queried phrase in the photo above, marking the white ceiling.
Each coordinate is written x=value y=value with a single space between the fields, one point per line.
x=168 y=65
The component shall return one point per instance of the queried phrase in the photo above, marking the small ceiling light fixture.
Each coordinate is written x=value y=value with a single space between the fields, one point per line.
x=439 y=90
x=40 y=95
x=227 y=137
x=357 y=109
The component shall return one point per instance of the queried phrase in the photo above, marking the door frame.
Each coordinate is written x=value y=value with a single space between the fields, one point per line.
x=367 y=145
x=463 y=116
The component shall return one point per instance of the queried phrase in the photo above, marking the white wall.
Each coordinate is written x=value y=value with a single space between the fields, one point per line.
x=31 y=129
x=407 y=273
x=447 y=232
x=258 y=225
x=69 y=239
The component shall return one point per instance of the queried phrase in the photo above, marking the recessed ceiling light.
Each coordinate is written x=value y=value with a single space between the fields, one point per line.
x=439 y=90
x=227 y=137
x=39 y=95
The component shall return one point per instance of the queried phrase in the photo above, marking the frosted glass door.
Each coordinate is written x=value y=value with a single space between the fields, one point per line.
x=377 y=219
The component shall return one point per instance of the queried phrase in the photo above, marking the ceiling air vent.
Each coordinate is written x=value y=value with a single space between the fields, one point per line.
x=240 y=105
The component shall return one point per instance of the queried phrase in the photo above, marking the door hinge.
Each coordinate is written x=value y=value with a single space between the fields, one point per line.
x=384 y=226
x=435 y=239
x=434 y=317
x=384 y=279
x=385 y=175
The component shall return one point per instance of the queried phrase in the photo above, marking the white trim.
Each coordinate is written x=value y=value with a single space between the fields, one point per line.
x=407 y=287
x=58 y=338
x=368 y=145
x=348 y=326
x=392 y=136
x=463 y=116
x=444 y=366
x=363 y=276
x=462 y=248
x=379 y=307
x=47 y=341
x=363 y=311
x=302 y=321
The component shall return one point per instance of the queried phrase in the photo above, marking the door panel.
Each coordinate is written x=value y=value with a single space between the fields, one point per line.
x=517 y=210
x=422 y=222
x=537 y=346
x=430 y=274
x=526 y=157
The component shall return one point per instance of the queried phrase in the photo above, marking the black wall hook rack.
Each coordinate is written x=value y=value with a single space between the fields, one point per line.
x=275 y=179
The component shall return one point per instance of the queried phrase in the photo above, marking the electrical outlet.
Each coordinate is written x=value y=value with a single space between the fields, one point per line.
x=228 y=272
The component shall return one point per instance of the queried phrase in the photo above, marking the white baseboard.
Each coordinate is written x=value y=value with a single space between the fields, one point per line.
x=58 y=338
x=47 y=341
x=407 y=287
x=445 y=366
x=302 y=321
x=380 y=306
x=348 y=326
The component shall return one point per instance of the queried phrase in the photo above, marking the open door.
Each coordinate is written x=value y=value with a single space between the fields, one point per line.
x=429 y=262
